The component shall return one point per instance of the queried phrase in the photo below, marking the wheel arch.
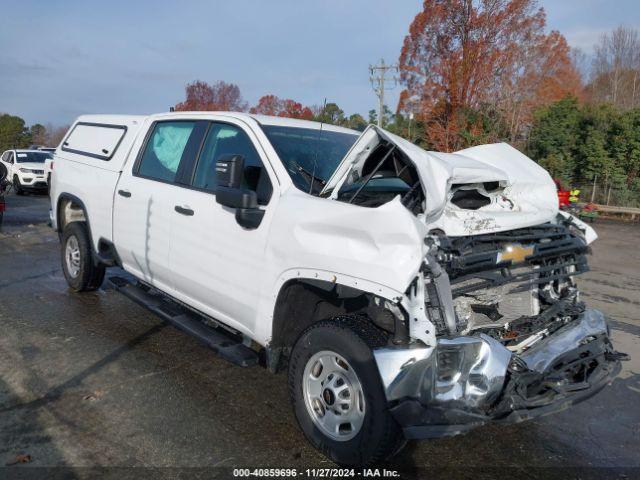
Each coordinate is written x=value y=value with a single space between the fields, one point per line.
x=305 y=300
x=70 y=208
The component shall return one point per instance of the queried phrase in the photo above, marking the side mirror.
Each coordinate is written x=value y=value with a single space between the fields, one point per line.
x=229 y=191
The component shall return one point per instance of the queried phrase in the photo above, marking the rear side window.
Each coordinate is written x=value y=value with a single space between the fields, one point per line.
x=94 y=140
x=164 y=150
x=224 y=139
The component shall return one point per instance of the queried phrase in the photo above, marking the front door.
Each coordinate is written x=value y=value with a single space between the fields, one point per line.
x=216 y=263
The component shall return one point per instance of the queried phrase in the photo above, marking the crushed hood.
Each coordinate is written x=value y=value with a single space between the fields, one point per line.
x=526 y=195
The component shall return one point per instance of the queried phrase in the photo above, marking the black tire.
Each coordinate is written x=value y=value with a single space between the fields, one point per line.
x=16 y=186
x=352 y=337
x=89 y=276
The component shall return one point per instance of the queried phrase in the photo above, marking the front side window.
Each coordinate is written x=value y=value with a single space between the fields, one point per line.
x=310 y=156
x=225 y=139
x=164 y=150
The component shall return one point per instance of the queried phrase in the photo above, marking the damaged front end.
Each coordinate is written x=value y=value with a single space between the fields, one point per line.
x=499 y=332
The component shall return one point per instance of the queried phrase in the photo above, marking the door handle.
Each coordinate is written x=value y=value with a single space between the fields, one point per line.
x=124 y=193
x=183 y=210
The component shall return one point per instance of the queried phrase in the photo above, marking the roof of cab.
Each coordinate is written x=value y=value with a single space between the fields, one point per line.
x=261 y=119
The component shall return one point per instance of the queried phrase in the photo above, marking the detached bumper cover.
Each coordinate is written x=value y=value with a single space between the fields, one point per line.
x=466 y=382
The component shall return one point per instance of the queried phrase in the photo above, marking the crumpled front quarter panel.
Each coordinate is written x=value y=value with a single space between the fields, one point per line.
x=381 y=245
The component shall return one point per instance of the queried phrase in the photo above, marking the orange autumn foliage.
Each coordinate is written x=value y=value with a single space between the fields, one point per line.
x=461 y=55
x=221 y=96
x=272 y=105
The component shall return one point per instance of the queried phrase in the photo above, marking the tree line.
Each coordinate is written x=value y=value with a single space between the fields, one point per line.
x=482 y=71
x=14 y=133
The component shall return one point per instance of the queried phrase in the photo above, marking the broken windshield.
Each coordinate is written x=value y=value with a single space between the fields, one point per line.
x=298 y=149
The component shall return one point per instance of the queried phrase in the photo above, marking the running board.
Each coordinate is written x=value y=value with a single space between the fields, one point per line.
x=183 y=319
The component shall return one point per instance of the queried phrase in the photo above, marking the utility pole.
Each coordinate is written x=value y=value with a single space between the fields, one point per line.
x=379 y=84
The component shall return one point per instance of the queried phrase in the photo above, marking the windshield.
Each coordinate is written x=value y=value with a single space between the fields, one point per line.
x=32 y=157
x=299 y=147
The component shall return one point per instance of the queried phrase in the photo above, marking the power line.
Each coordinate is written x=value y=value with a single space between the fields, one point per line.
x=379 y=84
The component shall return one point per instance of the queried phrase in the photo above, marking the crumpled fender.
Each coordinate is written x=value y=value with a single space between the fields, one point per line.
x=376 y=250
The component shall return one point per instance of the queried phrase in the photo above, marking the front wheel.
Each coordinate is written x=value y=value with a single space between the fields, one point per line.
x=337 y=394
x=79 y=269
x=17 y=187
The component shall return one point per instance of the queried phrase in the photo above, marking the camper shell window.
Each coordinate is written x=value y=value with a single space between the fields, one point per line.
x=94 y=140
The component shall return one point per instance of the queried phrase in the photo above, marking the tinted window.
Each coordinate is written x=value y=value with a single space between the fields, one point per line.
x=224 y=139
x=164 y=150
x=33 y=157
x=307 y=152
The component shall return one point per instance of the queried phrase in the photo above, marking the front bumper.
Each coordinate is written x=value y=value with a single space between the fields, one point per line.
x=31 y=181
x=465 y=382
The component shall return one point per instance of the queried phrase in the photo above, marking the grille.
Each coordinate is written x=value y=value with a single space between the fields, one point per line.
x=491 y=287
x=473 y=263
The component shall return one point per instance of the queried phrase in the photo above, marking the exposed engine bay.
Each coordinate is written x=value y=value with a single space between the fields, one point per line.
x=512 y=339
x=516 y=286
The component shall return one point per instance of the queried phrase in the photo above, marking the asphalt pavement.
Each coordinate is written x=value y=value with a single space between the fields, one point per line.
x=94 y=384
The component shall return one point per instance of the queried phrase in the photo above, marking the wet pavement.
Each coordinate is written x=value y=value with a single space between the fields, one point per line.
x=93 y=380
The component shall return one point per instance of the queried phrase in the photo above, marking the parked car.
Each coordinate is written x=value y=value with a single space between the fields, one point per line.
x=410 y=294
x=26 y=169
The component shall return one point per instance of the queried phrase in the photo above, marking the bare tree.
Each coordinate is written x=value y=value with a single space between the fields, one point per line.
x=615 y=73
x=55 y=134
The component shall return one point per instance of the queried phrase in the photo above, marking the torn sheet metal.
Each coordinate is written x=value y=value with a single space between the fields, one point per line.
x=527 y=194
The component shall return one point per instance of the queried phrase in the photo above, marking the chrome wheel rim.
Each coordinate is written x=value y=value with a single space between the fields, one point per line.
x=72 y=256
x=333 y=395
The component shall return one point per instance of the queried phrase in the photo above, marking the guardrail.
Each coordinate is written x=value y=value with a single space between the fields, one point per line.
x=634 y=212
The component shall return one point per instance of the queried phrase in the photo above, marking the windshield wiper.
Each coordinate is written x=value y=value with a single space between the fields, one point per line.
x=311 y=178
x=373 y=172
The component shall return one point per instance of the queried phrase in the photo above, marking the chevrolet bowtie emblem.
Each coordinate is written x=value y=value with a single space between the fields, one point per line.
x=515 y=252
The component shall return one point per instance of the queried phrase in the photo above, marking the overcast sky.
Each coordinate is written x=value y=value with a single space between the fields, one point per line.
x=60 y=59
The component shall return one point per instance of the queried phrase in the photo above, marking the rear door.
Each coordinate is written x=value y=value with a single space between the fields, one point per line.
x=145 y=199
x=216 y=263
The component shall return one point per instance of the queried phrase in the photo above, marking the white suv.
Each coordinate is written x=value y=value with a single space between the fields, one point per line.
x=26 y=169
x=411 y=294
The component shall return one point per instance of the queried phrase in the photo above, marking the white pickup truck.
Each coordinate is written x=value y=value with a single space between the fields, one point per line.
x=412 y=294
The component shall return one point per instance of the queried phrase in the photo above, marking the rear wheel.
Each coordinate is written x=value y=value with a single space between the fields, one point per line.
x=80 y=271
x=17 y=187
x=337 y=394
